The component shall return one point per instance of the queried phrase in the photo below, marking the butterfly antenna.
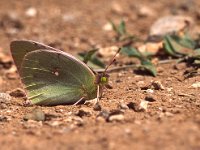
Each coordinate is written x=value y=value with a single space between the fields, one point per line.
x=112 y=60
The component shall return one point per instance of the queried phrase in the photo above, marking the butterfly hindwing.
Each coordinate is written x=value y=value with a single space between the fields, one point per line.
x=50 y=76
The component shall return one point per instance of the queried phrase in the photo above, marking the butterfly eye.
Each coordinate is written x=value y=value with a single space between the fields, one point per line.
x=104 y=79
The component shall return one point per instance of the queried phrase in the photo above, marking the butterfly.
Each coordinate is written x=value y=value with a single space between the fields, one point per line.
x=53 y=77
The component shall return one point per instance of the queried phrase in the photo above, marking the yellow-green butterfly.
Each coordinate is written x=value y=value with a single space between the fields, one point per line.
x=53 y=77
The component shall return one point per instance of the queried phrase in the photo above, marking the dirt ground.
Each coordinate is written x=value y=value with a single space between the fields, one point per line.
x=172 y=119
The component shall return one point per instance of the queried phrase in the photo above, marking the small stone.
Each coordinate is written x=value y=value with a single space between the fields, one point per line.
x=136 y=107
x=18 y=92
x=3 y=118
x=151 y=47
x=145 y=11
x=5 y=60
x=32 y=124
x=31 y=12
x=11 y=23
x=37 y=114
x=107 y=27
x=104 y=114
x=12 y=73
x=3 y=106
x=97 y=107
x=100 y=119
x=78 y=121
x=116 y=7
x=196 y=85
x=150 y=91
x=83 y=112
x=169 y=24
x=123 y=106
x=143 y=105
x=158 y=85
x=5 y=98
x=118 y=117
x=150 y=98
x=168 y=114
x=55 y=123
x=108 y=51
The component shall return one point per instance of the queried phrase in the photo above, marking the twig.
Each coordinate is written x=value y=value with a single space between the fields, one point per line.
x=132 y=66
x=117 y=68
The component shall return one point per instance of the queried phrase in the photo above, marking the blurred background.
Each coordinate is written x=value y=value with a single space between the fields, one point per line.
x=80 y=24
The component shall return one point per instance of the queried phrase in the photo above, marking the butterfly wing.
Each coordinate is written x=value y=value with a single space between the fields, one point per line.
x=52 y=77
x=20 y=48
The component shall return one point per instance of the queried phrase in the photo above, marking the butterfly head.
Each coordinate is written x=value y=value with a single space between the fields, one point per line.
x=102 y=78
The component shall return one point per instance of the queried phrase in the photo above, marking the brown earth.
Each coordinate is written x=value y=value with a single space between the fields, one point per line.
x=172 y=121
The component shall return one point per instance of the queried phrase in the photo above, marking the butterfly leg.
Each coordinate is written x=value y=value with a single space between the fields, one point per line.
x=98 y=95
x=78 y=101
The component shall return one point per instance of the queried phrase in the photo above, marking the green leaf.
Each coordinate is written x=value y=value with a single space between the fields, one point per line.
x=147 y=65
x=89 y=55
x=131 y=52
x=194 y=57
x=120 y=29
x=91 y=59
x=185 y=41
x=171 y=47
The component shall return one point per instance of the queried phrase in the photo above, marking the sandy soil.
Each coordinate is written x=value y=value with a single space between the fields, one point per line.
x=171 y=121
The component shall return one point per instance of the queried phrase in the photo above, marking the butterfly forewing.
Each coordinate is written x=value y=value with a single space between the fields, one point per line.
x=20 y=48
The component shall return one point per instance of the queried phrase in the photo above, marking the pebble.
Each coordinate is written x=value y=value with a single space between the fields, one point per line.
x=116 y=7
x=11 y=23
x=169 y=24
x=118 y=117
x=83 y=112
x=11 y=73
x=107 y=27
x=3 y=106
x=55 y=123
x=137 y=107
x=123 y=106
x=108 y=51
x=31 y=12
x=97 y=107
x=196 y=85
x=150 y=91
x=5 y=60
x=150 y=98
x=157 y=85
x=18 y=92
x=145 y=11
x=103 y=114
x=143 y=105
x=37 y=115
x=3 y=118
x=33 y=124
x=5 y=98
